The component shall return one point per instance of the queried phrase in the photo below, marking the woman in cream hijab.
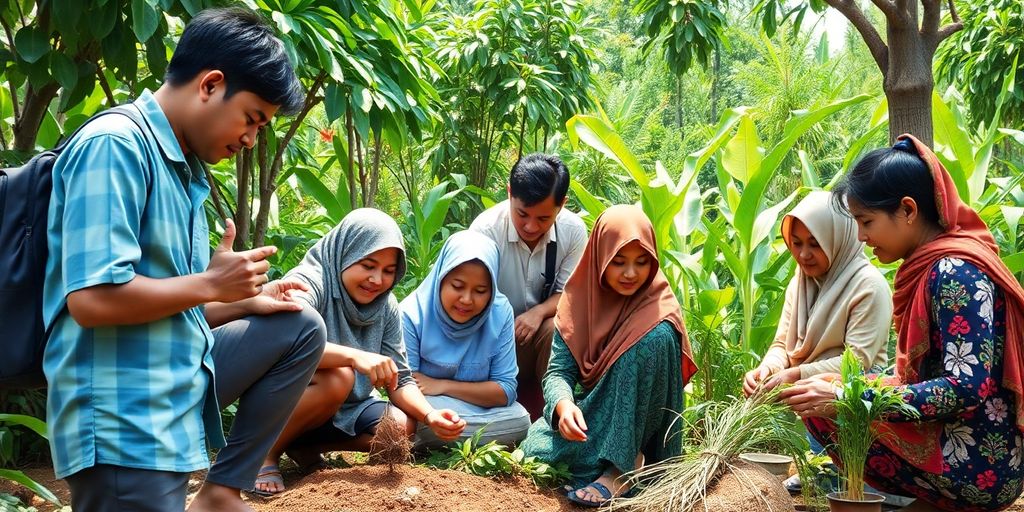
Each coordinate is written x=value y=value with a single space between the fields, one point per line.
x=837 y=299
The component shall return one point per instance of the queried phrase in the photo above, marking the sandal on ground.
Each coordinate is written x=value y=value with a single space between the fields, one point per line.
x=603 y=492
x=268 y=475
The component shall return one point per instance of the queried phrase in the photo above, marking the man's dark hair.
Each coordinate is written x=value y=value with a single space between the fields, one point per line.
x=884 y=177
x=537 y=176
x=239 y=43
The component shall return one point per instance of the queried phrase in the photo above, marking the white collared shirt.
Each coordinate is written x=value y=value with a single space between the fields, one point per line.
x=521 y=271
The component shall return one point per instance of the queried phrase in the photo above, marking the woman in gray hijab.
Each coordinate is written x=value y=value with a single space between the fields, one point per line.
x=351 y=272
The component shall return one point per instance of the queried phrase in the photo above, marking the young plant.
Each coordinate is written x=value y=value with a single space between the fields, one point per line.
x=727 y=429
x=860 y=402
x=39 y=427
x=494 y=460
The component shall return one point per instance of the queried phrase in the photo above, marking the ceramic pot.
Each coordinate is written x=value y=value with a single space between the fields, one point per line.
x=871 y=503
x=776 y=464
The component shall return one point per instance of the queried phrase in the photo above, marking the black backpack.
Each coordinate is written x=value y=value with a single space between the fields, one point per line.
x=24 y=201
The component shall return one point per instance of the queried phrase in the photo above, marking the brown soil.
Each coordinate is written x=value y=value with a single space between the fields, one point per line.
x=375 y=488
x=749 y=488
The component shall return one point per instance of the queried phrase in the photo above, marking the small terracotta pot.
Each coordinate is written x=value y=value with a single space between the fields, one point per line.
x=871 y=503
x=776 y=464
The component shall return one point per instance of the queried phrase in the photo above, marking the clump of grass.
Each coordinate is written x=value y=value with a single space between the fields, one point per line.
x=860 y=403
x=390 y=445
x=726 y=430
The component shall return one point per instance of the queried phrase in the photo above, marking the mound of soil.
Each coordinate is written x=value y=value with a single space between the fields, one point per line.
x=375 y=489
x=749 y=488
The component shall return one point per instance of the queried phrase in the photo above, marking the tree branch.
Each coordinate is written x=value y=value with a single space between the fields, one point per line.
x=953 y=27
x=102 y=79
x=888 y=8
x=877 y=47
x=932 y=16
x=215 y=194
x=10 y=83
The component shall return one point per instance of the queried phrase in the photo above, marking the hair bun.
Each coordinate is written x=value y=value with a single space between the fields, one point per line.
x=905 y=145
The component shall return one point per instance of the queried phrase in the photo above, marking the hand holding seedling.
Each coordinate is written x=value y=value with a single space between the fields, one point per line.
x=754 y=378
x=446 y=424
x=570 y=421
x=235 y=276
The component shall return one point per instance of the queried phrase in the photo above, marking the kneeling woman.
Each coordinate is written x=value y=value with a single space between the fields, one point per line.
x=459 y=332
x=621 y=342
x=959 y=316
x=351 y=272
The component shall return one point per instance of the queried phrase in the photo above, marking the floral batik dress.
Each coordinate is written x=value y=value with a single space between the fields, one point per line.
x=961 y=387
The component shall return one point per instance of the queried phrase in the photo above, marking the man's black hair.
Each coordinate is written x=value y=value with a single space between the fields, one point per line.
x=239 y=43
x=536 y=177
x=884 y=177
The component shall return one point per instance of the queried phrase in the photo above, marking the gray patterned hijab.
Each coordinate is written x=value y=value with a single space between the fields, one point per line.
x=361 y=233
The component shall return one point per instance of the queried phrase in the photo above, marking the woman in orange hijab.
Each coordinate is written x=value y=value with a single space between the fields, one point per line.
x=619 y=361
x=959 y=315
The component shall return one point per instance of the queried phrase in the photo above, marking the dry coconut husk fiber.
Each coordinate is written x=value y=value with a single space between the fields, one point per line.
x=747 y=487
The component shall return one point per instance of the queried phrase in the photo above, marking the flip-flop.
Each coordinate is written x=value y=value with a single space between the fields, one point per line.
x=606 y=495
x=269 y=475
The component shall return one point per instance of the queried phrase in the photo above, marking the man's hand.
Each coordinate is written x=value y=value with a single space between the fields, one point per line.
x=275 y=297
x=528 y=323
x=234 y=276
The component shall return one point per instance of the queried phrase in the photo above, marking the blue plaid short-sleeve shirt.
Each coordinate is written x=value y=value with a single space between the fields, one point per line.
x=127 y=203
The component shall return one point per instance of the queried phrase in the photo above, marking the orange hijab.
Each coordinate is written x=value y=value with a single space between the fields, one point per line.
x=966 y=237
x=598 y=324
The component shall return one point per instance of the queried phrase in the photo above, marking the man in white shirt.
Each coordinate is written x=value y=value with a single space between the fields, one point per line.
x=539 y=245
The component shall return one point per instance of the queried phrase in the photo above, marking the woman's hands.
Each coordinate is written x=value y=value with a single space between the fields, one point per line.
x=570 y=421
x=763 y=378
x=430 y=386
x=446 y=424
x=811 y=398
x=381 y=370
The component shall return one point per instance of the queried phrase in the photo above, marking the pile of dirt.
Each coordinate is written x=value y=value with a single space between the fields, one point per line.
x=749 y=488
x=375 y=488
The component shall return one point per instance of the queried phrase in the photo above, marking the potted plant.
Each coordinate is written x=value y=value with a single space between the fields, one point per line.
x=861 y=401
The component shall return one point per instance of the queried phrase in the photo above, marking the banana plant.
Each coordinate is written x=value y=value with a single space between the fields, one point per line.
x=749 y=249
x=426 y=227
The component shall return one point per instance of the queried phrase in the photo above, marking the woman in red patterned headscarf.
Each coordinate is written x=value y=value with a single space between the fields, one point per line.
x=959 y=316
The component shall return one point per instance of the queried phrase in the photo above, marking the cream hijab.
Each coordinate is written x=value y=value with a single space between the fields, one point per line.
x=850 y=305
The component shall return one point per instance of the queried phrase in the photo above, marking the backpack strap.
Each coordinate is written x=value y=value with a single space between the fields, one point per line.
x=128 y=110
x=550 y=254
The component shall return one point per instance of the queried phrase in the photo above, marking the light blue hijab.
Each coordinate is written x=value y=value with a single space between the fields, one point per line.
x=482 y=349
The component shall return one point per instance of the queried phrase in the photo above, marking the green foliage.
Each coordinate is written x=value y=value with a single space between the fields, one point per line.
x=513 y=70
x=39 y=427
x=688 y=31
x=860 y=403
x=978 y=58
x=494 y=460
x=426 y=228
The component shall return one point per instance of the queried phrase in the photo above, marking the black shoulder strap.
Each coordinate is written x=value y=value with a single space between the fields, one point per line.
x=550 y=254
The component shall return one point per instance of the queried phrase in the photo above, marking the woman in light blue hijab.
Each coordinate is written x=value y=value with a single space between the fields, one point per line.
x=460 y=338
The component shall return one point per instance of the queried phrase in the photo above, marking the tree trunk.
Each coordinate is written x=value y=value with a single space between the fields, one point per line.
x=243 y=170
x=26 y=129
x=716 y=72
x=908 y=84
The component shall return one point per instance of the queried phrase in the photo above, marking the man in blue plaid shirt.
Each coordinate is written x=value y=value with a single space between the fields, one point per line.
x=136 y=375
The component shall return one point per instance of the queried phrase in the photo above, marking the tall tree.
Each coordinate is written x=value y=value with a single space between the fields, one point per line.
x=913 y=31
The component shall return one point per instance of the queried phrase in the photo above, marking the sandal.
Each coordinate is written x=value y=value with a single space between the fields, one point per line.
x=268 y=475
x=603 y=492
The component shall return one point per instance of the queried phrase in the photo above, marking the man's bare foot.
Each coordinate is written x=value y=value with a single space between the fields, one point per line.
x=217 y=498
